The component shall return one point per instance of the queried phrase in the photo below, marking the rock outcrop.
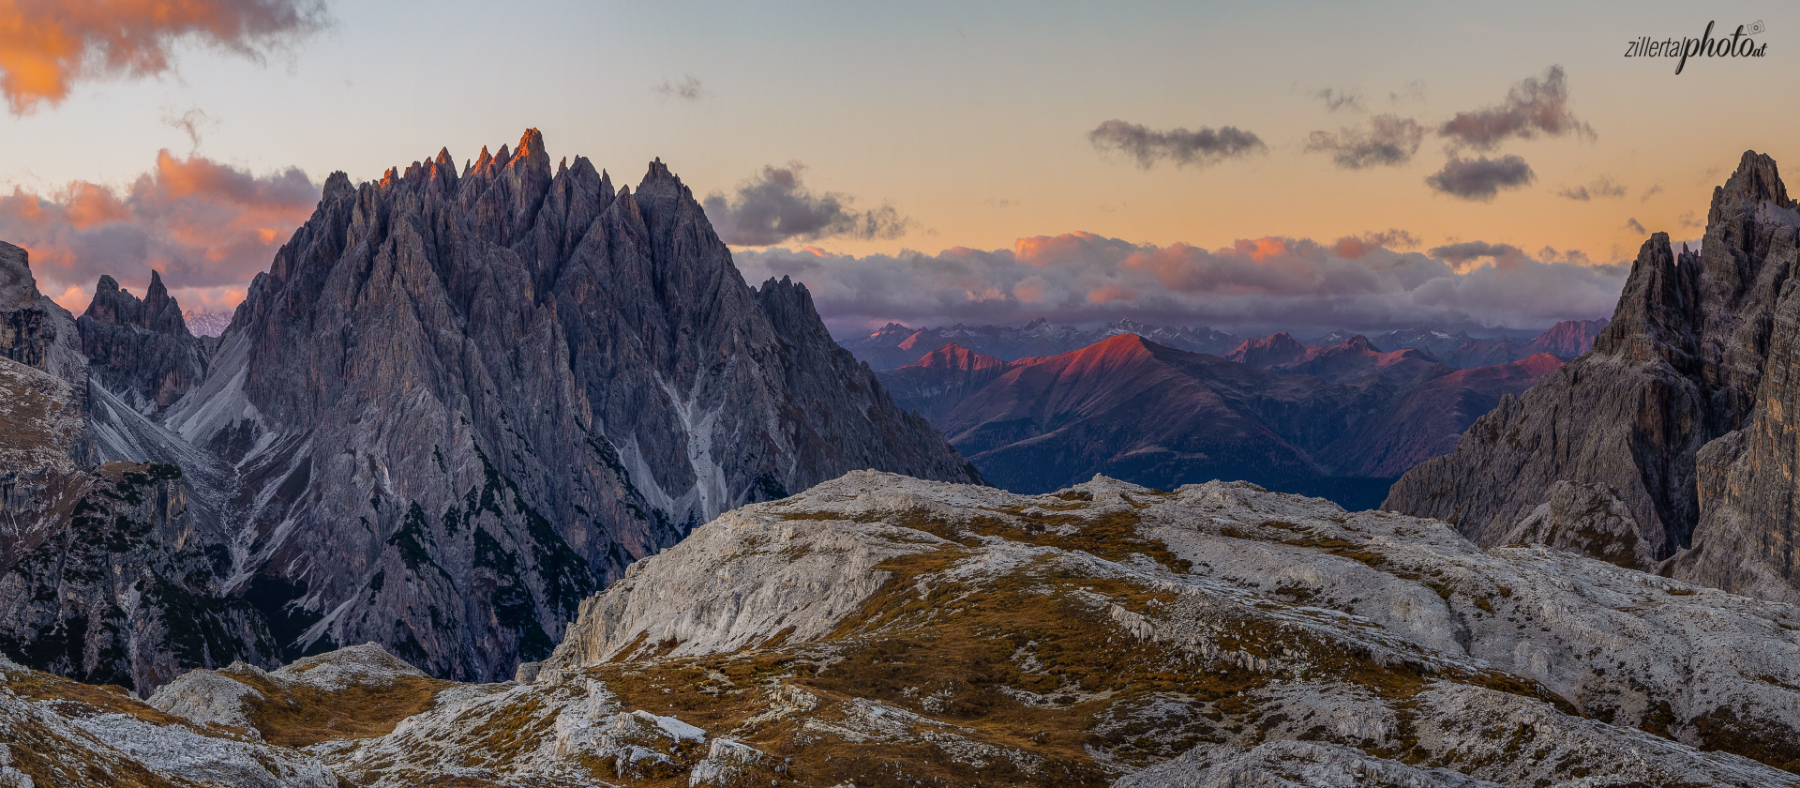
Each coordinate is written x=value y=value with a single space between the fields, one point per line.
x=1678 y=410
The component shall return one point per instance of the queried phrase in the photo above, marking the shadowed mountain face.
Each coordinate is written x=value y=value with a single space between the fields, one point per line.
x=458 y=403
x=1676 y=423
x=1133 y=409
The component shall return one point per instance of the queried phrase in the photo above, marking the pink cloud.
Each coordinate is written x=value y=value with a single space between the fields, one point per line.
x=208 y=227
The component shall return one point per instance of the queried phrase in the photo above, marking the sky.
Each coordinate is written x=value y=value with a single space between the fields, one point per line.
x=1277 y=164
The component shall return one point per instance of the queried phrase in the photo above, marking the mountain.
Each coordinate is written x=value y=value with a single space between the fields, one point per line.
x=1272 y=350
x=141 y=350
x=1351 y=359
x=1568 y=339
x=456 y=404
x=1428 y=420
x=884 y=630
x=1046 y=424
x=206 y=324
x=1666 y=446
x=1339 y=421
x=1430 y=340
x=937 y=383
x=895 y=345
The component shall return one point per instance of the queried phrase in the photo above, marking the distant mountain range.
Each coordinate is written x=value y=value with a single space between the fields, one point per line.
x=206 y=324
x=896 y=345
x=1340 y=421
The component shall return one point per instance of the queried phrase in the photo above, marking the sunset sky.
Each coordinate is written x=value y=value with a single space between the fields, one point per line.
x=931 y=162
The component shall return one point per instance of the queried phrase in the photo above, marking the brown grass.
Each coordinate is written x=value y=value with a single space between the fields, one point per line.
x=296 y=715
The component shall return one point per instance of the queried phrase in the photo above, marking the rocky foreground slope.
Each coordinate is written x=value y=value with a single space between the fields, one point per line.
x=1670 y=445
x=879 y=630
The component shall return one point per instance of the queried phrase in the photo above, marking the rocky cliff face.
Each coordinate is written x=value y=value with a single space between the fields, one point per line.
x=1677 y=411
x=35 y=331
x=124 y=592
x=141 y=350
x=105 y=573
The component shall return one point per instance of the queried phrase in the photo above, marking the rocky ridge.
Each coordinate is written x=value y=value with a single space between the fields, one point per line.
x=882 y=628
x=1676 y=416
x=459 y=402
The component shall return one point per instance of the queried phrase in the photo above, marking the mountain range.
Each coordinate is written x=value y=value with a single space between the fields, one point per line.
x=896 y=345
x=1670 y=446
x=457 y=404
x=1341 y=421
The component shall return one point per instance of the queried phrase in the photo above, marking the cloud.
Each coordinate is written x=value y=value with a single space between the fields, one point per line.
x=689 y=89
x=1532 y=107
x=1636 y=226
x=1390 y=140
x=189 y=123
x=1200 y=148
x=1410 y=92
x=1549 y=254
x=774 y=206
x=1354 y=247
x=1692 y=220
x=1339 y=99
x=1273 y=282
x=1603 y=188
x=1651 y=192
x=208 y=227
x=1459 y=255
x=1480 y=178
x=48 y=46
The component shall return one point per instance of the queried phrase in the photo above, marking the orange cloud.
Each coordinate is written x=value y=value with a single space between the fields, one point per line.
x=208 y=227
x=47 y=46
x=1109 y=293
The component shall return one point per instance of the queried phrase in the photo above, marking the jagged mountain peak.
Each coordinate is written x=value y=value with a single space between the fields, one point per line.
x=524 y=380
x=1677 y=418
x=1756 y=180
